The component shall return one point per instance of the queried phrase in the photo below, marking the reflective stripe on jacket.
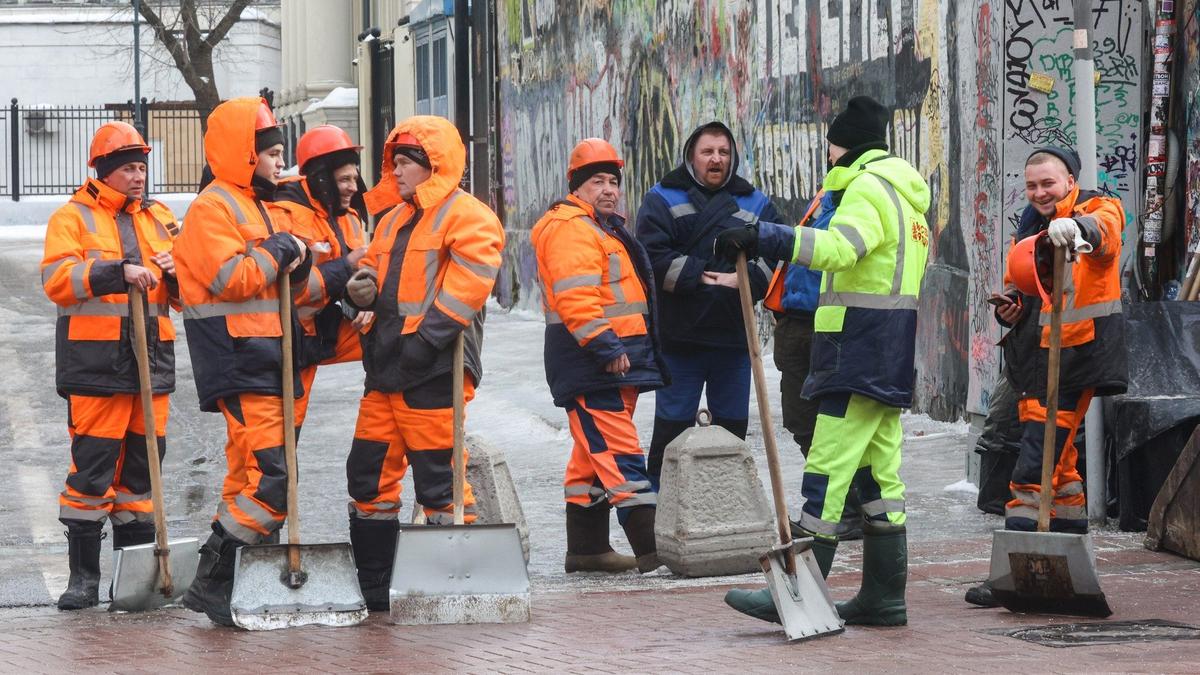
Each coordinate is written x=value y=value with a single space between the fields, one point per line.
x=228 y=257
x=1093 y=331
x=873 y=256
x=88 y=241
x=436 y=261
x=594 y=280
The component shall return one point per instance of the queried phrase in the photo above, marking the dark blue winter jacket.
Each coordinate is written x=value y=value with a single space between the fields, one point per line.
x=802 y=286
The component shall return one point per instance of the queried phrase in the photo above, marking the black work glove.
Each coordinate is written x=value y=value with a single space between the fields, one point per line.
x=729 y=243
x=416 y=354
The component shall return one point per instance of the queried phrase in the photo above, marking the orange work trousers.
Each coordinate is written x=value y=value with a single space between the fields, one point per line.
x=395 y=430
x=349 y=348
x=606 y=461
x=254 y=495
x=109 y=475
x=1069 y=510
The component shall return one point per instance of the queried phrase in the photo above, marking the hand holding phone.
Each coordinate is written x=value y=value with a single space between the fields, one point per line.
x=998 y=300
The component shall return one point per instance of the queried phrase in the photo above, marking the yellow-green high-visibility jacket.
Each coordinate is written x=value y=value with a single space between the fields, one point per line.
x=873 y=256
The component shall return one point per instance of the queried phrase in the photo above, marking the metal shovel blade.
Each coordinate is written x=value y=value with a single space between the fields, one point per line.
x=135 y=575
x=459 y=574
x=803 y=602
x=1046 y=573
x=329 y=596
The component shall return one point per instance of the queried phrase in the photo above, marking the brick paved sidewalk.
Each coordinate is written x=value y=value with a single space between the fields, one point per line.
x=685 y=630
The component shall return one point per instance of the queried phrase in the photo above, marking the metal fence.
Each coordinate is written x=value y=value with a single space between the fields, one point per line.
x=45 y=148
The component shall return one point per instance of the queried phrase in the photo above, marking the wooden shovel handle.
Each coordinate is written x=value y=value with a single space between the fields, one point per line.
x=145 y=388
x=1049 y=439
x=764 y=414
x=289 y=423
x=460 y=468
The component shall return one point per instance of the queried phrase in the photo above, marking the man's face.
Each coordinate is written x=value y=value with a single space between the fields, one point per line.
x=409 y=175
x=711 y=159
x=129 y=179
x=346 y=180
x=602 y=191
x=1046 y=184
x=270 y=163
x=835 y=153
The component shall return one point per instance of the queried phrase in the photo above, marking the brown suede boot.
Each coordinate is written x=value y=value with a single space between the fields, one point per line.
x=588 y=549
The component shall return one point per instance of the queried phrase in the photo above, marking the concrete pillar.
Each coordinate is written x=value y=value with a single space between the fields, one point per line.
x=329 y=47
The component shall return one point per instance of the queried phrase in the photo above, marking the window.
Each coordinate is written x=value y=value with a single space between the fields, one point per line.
x=432 y=53
x=422 y=74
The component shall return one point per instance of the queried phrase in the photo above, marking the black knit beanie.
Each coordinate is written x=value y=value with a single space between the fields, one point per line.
x=1068 y=157
x=265 y=138
x=863 y=121
x=331 y=161
x=585 y=172
x=414 y=153
x=111 y=162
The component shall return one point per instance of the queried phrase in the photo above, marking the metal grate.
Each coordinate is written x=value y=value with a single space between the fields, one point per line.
x=1103 y=633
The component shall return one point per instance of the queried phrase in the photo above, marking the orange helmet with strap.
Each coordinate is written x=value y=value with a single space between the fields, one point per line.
x=1030 y=265
x=593 y=151
x=114 y=137
x=264 y=118
x=322 y=140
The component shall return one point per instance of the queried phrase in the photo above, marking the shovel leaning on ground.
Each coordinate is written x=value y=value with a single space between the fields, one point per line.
x=148 y=576
x=459 y=573
x=801 y=597
x=284 y=585
x=1047 y=572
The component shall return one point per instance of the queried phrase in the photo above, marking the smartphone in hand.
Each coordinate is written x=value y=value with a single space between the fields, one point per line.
x=997 y=300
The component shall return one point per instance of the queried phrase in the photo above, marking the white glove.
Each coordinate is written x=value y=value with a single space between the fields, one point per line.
x=361 y=287
x=1063 y=231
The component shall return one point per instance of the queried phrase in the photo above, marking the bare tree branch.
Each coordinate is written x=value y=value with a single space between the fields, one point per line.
x=218 y=32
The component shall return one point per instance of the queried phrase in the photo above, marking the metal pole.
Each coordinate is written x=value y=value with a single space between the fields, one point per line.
x=1084 y=73
x=14 y=139
x=481 y=81
x=138 y=120
x=462 y=75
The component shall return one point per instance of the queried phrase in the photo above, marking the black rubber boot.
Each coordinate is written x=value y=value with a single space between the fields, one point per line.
x=736 y=427
x=211 y=591
x=880 y=599
x=665 y=431
x=639 y=529
x=83 y=551
x=588 y=548
x=374 y=543
x=851 y=526
x=759 y=603
x=132 y=534
x=981 y=595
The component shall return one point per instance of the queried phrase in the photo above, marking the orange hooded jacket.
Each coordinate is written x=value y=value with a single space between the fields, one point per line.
x=83 y=273
x=436 y=259
x=228 y=258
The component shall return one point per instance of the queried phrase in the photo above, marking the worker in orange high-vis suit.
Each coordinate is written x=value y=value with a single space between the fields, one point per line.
x=1093 y=360
x=317 y=207
x=229 y=256
x=106 y=238
x=601 y=351
x=426 y=275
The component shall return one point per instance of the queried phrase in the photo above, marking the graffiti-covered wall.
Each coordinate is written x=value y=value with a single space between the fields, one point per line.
x=644 y=73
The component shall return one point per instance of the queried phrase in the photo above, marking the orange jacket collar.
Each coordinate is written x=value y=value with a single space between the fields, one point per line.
x=1066 y=207
x=97 y=193
x=229 y=141
x=584 y=206
x=447 y=157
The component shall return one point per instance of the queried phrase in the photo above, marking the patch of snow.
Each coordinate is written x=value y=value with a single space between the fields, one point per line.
x=964 y=486
x=340 y=97
x=23 y=232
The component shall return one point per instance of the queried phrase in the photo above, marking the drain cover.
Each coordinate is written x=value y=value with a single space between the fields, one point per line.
x=1106 y=633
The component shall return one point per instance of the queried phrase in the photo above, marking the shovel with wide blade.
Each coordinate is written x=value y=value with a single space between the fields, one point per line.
x=801 y=597
x=284 y=585
x=1047 y=572
x=148 y=576
x=459 y=573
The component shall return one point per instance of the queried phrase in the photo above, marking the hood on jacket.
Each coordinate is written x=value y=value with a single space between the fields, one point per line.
x=229 y=141
x=447 y=158
x=683 y=177
x=907 y=181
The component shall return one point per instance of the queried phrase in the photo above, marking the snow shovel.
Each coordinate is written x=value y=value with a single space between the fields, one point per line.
x=801 y=597
x=284 y=585
x=148 y=576
x=459 y=573
x=1047 y=572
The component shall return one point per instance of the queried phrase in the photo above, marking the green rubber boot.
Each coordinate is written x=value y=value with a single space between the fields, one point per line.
x=759 y=604
x=880 y=600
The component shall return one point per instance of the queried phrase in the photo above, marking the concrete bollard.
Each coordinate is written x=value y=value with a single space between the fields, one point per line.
x=714 y=517
x=496 y=498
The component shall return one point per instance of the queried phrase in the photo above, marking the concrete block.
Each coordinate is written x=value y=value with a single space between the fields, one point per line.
x=714 y=517
x=496 y=498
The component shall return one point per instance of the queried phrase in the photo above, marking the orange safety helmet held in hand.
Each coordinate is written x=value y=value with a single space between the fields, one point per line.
x=114 y=137
x=1031 y=265
x=323 y=140
x=593 y=151
x=264 y=118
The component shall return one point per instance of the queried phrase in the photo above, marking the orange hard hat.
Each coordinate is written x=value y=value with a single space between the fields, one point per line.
x=114 y=137
x=264 y=118
x=322 y=140
x=593 y=151
x=1031 y=264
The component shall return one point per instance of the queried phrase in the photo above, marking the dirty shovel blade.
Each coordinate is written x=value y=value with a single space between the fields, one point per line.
x=459 y=574
x=330 y=595
x=135 y=575
x=1046 y=573
x=805 y=606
